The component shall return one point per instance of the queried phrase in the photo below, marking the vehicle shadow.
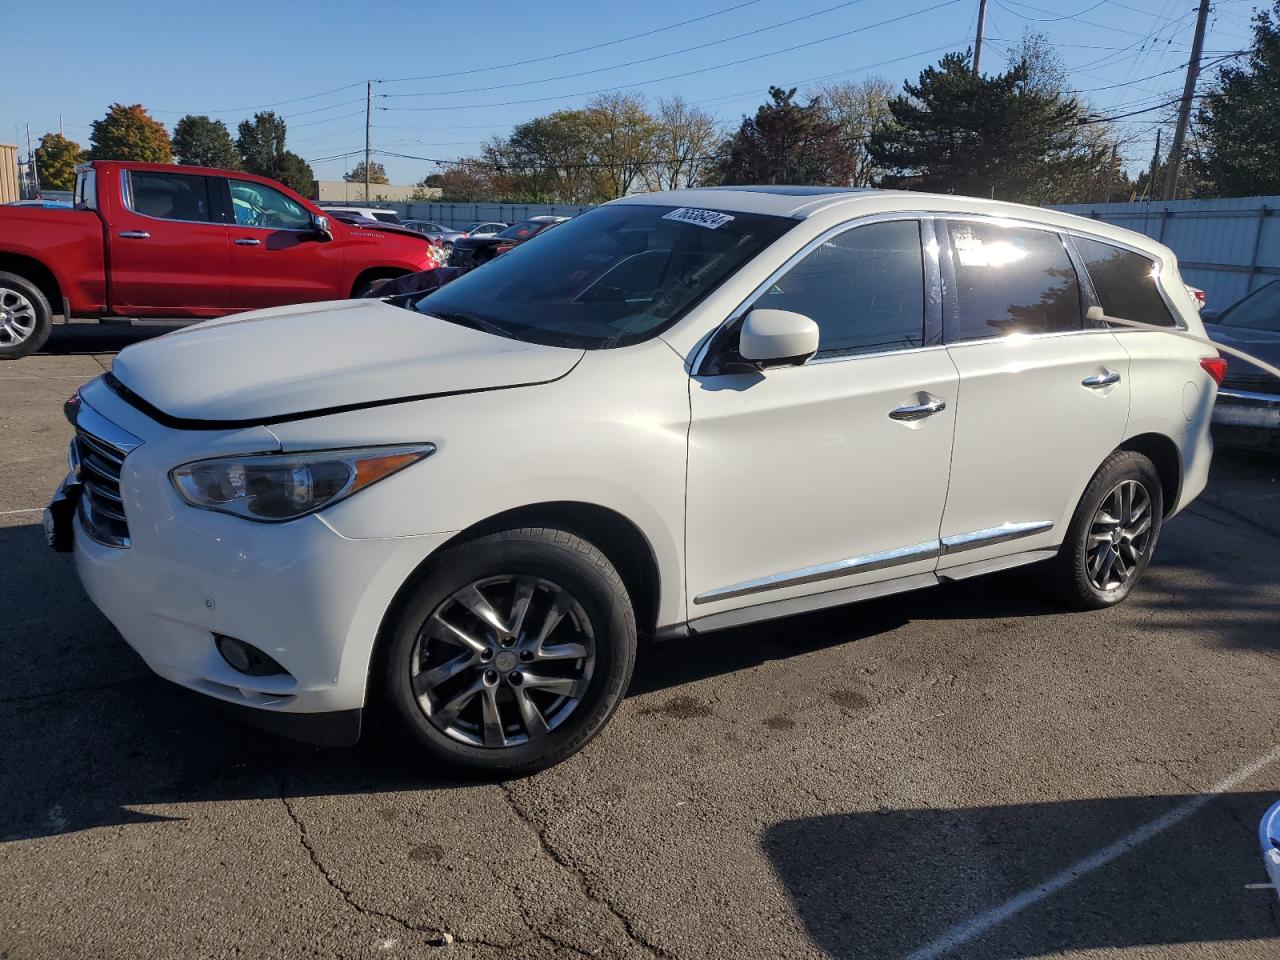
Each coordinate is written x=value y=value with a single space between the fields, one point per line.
x=906 y=882
x=80 y=338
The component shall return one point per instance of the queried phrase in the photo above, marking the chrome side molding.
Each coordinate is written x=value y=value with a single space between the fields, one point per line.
x=824 y=571
x=878 y=561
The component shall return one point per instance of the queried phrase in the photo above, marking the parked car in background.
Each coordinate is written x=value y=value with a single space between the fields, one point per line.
x=356 y=220
x=1197 y=295
x=484 y=229
x=676 y=413
x=474 y=251
x=383 y=214
x=159 y=240
x=1248 y=407
x=445 y=236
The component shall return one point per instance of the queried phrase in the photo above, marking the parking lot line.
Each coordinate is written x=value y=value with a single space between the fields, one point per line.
x=7 y=513
x=964 y=932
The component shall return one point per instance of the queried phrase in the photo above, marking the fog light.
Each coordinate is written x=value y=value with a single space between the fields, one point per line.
x=245 y=657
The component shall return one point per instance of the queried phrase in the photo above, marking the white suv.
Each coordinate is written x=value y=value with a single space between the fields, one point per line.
x=676 y=413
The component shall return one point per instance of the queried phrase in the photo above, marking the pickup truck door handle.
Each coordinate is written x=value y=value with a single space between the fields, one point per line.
x=918 y=411
x=247 y=242
x=135 y=234
x=1104 y=379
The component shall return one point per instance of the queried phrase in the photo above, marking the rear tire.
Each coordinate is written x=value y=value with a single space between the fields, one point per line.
x=509 y=655
x=26 y=319
x=1112 y=535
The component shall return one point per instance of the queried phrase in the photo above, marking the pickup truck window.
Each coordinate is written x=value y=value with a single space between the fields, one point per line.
x=169 y=196
x=86 y=195
x=257 y=205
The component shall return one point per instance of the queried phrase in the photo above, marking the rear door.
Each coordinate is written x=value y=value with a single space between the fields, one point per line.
x=277 y=257
x=1044 y=398
x=169 y=253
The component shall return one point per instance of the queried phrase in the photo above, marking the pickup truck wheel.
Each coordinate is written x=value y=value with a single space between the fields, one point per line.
x=25 y=317
x=510 y=655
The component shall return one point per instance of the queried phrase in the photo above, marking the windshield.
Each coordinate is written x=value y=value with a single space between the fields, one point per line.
x=1258 y=311
x=614 y=276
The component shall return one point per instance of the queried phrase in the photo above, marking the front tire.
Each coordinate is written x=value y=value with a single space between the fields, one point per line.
x=509 y=655
x=26 y=319
x=1112 y=535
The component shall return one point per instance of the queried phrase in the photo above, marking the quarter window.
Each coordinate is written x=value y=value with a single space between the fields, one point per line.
x=1010 y=280
x=1125 y=283
x=257 y=205
x=169 y=196
x=864 y=288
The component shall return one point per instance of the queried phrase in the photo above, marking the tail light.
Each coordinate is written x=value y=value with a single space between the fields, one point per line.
x=1216 y=367
x=1199 y=297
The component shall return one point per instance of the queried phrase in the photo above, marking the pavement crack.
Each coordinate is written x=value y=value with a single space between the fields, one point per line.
x=585 y=884
x=438 y=937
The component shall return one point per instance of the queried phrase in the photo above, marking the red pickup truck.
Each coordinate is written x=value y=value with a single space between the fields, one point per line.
x=157 y=240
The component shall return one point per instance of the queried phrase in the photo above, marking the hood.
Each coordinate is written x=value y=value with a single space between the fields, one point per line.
x=292 y=362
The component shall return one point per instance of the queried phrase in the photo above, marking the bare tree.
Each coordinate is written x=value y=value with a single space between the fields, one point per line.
x=685 y=140
x=624 y=138
x=857 y=107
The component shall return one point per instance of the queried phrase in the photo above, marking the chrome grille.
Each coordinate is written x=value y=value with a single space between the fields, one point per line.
x=98 y=465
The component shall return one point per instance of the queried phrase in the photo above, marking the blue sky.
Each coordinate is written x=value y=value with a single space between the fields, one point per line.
x=232 y=58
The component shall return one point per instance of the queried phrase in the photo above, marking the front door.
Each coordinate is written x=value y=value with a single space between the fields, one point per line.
x=169 y=254
x=276 y=258
x=832 y=474
x=1045 y=394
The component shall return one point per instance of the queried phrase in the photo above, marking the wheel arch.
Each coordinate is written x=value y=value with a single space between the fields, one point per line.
x=1164 y=453
x=371 y=274
x=612 y=533
x=38 y=274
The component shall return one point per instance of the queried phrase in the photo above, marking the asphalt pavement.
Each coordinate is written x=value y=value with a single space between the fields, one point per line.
x=962 y=772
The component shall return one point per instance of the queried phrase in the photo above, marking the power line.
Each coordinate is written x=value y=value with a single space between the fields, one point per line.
x=687 y=73
x=277 y=103
x=569 y=53
x=632 y=63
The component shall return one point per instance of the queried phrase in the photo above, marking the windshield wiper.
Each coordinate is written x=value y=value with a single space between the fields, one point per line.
x=467 y=320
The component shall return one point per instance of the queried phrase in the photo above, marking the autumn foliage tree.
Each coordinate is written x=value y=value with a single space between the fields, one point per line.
x=377 y=173
x=130 y=133
x=56 y=158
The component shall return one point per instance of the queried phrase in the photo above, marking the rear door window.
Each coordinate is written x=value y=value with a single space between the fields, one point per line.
x=1010 y=280
x=1125 y=283
x=170 y=196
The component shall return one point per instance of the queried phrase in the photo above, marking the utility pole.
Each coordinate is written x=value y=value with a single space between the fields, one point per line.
x=977 y=42
x=1184 y=112
x=62 y=130
x=1111 y=171
x=1155 y=161
x=35 y=170
x=368 y=112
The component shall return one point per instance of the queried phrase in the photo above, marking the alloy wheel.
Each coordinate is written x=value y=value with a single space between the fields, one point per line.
x=503 y=661
x=17 y=318
x=1119 y=535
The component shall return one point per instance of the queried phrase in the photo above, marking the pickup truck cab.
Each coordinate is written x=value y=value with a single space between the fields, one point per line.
x=159 y=240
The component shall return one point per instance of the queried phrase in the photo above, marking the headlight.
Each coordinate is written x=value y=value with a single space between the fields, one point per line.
x=278 y=487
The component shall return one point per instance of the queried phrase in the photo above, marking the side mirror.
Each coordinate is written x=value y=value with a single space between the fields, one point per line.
x=321 y=224
x=777 y=338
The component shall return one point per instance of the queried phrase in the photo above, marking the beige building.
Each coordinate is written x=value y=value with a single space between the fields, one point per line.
x=349 y=192
x=8 y=173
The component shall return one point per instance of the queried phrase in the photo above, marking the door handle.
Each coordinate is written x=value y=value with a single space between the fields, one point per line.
x=135 y=234
x=918 y=411
x=1104 y=379
x=246 y=242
